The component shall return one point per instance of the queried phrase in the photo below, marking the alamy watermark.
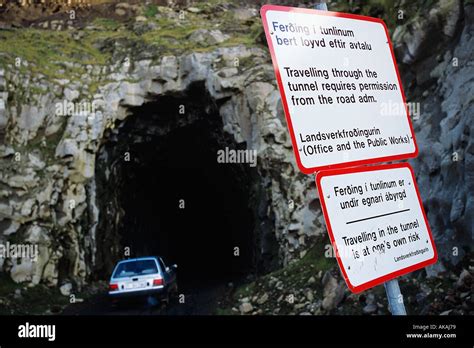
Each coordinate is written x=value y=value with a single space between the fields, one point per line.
x=397 y=109
x=19 y=251
x=227 y=155
x=81 y=108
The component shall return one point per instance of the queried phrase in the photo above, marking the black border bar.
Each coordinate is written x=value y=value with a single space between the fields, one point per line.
x=157 y=330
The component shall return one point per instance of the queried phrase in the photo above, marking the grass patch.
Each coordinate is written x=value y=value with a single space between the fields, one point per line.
x=107 y=23
x=35 y=300
x=170 y=34
x=293 y=277
x=224 y=311
x=45 y=51
x=245 y=290
x=150 y=11
x=298 y=272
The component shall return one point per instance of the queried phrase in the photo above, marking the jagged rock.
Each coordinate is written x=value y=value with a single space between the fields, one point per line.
x=17 y=295
x=208 y=37
x=22 y=271
x=464 y=278
x=295 y=227
x=142 y=27
x=6 y=151
x=71 y=94
x=122 y=5
x=263 y=299
x=3 y=114
x=193 y=9
x=370 y=298
x=133 y=93
x=440 y=157
x=67 y=147
x=12 y=228
x=298 y=306
x=36 y=161
x=50 y=269
x=244 y=14
x=27 y=207
x=222 y=84
x=84 y=167
x=169 y=67
x=120 y=12
x=65 y=289
x=425 y=289
x=27 y=180
x=333 y=292
x=246 y=307
x=140 y=19
x=449 y=12
x=370 y=308
x=31 y=118
x=5 y=210
x=37 y=235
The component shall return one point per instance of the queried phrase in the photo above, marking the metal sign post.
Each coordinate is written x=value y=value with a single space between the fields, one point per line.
x=394 y=295
x=395 y=298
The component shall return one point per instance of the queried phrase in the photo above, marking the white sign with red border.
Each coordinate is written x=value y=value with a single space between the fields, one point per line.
x=376 y=223
x=340 y=88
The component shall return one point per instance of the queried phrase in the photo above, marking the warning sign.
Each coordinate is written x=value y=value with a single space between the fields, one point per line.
x=376 y=223
x=340 y=88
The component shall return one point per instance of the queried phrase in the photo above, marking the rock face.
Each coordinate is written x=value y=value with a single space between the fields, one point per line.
x=440 y=80
x=50 y=149
x=333 y=291
x=56 y=189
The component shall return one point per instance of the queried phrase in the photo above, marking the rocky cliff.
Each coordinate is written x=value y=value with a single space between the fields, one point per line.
x=67 y=85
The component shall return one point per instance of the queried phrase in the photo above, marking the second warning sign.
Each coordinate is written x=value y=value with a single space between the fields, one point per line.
x=376 y=223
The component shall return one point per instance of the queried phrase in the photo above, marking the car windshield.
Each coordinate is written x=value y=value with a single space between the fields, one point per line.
x=135 y=268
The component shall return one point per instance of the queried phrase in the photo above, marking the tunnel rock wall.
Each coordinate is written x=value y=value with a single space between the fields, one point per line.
x=48 y=180
x=48 y=189
x=435 y=54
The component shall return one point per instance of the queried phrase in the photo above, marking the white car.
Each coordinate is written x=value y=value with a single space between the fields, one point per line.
x=144 y=276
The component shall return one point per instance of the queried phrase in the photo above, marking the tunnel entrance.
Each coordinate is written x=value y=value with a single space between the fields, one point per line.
x=164 y=193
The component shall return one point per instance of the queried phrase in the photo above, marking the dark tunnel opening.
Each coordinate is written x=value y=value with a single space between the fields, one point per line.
x=189 y=209
x=173 y=197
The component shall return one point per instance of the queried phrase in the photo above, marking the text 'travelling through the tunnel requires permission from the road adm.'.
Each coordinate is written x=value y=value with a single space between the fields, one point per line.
x=376 y=222
x=340 y=88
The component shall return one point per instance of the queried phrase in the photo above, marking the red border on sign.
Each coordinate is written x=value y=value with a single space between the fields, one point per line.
x=388 y=276
x=312 y=170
